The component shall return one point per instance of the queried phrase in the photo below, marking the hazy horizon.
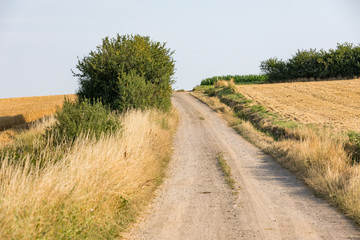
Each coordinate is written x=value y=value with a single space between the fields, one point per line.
x=41 y=40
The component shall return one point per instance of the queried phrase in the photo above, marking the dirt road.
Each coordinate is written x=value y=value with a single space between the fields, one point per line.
x=196 y=203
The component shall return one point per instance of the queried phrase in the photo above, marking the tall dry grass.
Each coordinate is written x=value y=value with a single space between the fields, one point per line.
x=225 y=83
x=319 y=157
x=97 y=188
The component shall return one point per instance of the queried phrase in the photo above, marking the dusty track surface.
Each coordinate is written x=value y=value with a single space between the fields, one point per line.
x=196 y=203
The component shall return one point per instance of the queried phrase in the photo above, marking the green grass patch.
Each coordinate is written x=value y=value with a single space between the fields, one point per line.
x=353 y=146
x=286 y=124
x=354 y=137
x=202 y=87
x=225 y=168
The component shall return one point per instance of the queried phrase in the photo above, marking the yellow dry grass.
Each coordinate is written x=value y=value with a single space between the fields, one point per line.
x=225 y=83
x=332 y=103
x=15 y=111
x=87 y=194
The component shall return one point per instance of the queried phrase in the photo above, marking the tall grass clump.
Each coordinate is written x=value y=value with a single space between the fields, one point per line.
x=95 y=190
x=226 y=83
x=324 y=164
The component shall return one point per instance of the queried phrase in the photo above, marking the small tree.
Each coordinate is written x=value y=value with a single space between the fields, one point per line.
x=128 y=72
x=275 y=69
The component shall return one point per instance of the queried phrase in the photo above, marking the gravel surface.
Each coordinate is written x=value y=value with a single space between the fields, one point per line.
x=195 y=202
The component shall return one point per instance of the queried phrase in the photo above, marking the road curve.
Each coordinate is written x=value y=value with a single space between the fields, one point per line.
x=196 y=203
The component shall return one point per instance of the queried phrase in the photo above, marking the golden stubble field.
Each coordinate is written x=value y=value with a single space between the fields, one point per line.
x=16 y=112
x=332 y=103
x=20 y=110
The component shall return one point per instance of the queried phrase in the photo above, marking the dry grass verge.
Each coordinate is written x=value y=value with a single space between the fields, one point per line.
x=317 y=156
x=95 y=191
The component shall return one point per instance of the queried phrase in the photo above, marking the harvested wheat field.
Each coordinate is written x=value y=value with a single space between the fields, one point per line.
x=15 y=111
x=332 y=103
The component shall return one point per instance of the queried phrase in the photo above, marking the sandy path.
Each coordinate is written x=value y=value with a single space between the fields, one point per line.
x=195 y=202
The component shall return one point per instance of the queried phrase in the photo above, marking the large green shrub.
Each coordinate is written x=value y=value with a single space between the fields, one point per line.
x=128 y=71
x=83 y=117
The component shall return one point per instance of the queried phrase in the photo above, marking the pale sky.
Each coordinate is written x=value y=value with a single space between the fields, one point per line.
x=40 y=40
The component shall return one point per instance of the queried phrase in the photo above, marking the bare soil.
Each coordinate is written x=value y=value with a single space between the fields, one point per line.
x=196 y=203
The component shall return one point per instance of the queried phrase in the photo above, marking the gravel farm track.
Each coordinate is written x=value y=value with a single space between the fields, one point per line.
x=196 y=203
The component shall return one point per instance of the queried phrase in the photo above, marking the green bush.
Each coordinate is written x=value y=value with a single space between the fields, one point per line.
x=83 y=117
x=119 y=67
x=211 y=92
x=134 y=92
x=353 y=146
x=342 y=62
x=275 y=69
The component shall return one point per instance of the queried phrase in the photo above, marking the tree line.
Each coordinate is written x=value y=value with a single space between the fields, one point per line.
x=341 y=62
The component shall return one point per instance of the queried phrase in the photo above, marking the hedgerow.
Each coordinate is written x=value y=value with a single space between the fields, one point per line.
x=342 y=62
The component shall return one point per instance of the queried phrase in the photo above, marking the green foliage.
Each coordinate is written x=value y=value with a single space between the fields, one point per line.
x=353 y=146
x=354 y=137
x=82 y=117
x=134 y=92
x=259 y=109
x=274 y=69
x=128 y=62
x=342 y=62
x=238 y=79
x=28 y=145
x=211 y=92
x=226 y=169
